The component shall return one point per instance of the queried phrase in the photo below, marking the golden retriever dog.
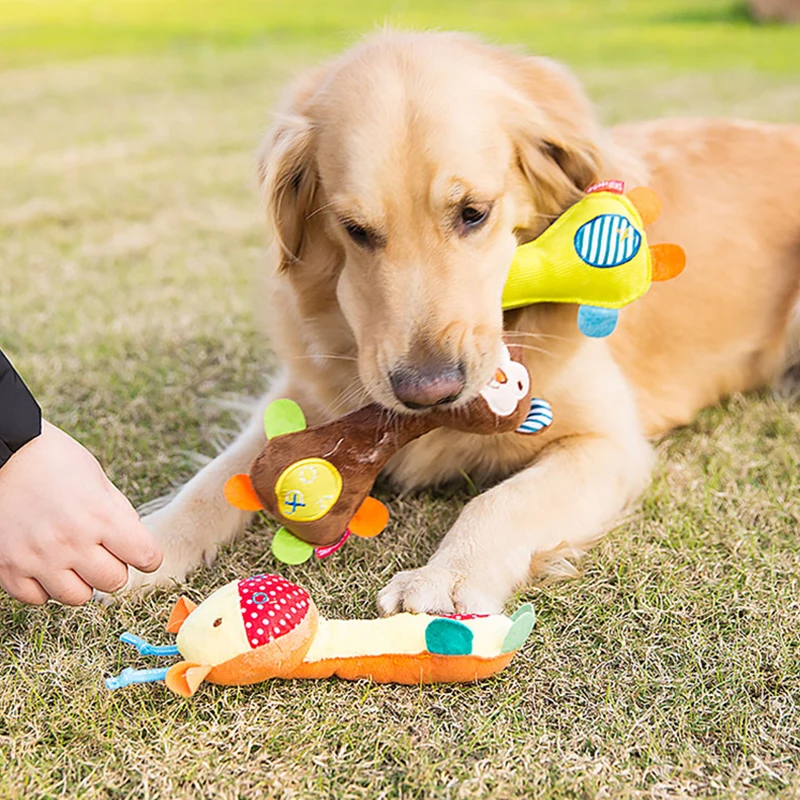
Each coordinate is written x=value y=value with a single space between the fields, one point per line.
x=398 y=181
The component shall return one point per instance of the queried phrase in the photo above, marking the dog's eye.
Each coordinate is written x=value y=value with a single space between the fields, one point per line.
x=474 y=215
x=358 y=233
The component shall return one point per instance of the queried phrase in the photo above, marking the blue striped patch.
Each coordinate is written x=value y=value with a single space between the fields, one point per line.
x=539 y=417
x=608 y=240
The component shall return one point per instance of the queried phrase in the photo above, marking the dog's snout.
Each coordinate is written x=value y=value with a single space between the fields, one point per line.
x=429 y=384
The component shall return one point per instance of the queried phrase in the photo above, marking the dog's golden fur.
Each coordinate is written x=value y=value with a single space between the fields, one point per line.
x=391 y=140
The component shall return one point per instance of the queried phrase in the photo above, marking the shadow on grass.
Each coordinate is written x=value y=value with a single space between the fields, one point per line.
x=732 y=14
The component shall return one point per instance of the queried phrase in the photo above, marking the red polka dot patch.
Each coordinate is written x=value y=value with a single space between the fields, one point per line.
x=271 y=606
x=463 y=616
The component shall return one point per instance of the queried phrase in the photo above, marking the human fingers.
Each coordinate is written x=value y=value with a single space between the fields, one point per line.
x=67 y=587
x=128 y=539
x=102 y=570
x=26 y=590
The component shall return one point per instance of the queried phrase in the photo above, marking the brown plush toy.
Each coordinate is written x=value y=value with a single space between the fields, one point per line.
x=316 y=481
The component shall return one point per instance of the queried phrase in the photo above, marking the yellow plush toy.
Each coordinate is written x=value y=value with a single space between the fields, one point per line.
x=596 y=255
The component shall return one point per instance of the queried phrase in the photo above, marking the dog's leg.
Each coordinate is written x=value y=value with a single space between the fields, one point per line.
x=199 y=518
x=568 y=498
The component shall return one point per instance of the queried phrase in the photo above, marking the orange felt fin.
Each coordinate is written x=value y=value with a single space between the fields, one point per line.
x=370 y=519
x=668 y=261
x=185 y=677
x=182 y=609
x=646 y=202
x=239 y=492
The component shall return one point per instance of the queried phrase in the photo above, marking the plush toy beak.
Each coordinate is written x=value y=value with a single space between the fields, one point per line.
x=185 y=677
x=182 y=609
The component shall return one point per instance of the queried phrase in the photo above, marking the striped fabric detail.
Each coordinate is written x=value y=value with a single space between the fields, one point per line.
x=615 y=187
x=539 y=417
x=608 y=240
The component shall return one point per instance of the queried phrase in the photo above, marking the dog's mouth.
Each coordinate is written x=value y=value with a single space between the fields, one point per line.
x=445 y=401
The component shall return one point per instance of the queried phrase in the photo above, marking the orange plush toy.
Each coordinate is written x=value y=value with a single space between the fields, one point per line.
x=316 y=481
x=266 y=627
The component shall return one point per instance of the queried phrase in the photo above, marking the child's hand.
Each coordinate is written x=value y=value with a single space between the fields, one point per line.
x=65 y=529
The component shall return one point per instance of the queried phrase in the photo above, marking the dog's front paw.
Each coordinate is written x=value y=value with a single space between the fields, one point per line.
x=438 y=590
x=183 y=547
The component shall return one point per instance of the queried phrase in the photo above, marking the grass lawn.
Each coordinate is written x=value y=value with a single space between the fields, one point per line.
x=130 y=246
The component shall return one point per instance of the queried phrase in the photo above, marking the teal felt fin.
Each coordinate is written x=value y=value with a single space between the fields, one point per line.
x=520 y=630
x=597 y=322
x=283 y=416
x=525 y=608
x=286 y=547
x=448 y=637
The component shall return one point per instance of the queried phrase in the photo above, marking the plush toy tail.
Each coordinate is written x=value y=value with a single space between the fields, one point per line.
x=646 y=202
x=524 y=618
x=668 y=261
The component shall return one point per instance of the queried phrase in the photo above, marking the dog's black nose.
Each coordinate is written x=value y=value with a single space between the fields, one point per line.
x=431 y=383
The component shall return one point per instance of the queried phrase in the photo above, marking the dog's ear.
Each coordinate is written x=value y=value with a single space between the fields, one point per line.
x=554 y=130
x=288 y=173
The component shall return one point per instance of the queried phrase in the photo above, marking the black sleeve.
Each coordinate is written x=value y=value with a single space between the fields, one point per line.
x=20 y=415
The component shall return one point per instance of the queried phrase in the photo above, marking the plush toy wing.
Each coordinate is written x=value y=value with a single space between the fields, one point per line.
x=595 y=255
x=239 y=492
x=282 y=417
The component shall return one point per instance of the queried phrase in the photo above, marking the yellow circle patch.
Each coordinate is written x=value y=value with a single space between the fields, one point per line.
x=308 y=489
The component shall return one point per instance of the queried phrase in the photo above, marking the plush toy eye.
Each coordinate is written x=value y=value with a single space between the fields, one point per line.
x=217 y=622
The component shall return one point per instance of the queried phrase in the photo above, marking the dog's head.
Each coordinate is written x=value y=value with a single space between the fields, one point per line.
x=399 y=183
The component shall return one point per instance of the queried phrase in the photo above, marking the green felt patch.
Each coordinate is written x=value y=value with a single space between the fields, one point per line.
x=519 y=632
x=283 y=416
x=286 y=547
x=448 y=637
x=525 y=608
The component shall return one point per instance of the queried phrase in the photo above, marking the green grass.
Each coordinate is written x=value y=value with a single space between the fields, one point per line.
x=674 y=33
x=130 y=246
